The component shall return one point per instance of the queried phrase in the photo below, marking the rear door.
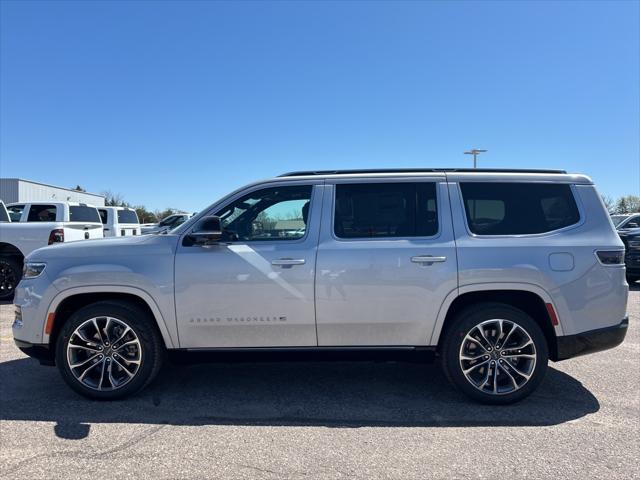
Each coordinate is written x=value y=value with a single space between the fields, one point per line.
x=386 y=261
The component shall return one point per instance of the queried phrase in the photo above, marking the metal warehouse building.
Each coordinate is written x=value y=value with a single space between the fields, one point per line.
x=19 y=190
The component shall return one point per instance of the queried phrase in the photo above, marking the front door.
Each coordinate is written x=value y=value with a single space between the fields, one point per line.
x=386 y=261
x=255 y=288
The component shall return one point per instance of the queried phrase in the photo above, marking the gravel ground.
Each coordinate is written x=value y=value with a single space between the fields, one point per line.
x=323 y=420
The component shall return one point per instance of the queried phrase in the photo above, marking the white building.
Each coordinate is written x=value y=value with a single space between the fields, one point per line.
x=19 y=190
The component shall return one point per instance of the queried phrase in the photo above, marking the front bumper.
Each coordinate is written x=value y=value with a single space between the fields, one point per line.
x=42 y=353
x=592 y=341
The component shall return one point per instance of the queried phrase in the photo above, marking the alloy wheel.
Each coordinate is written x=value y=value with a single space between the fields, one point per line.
x=497 y=356
x=104 y=353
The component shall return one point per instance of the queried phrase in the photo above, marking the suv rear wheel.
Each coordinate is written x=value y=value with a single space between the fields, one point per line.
x=109 y=350
x=495 y=353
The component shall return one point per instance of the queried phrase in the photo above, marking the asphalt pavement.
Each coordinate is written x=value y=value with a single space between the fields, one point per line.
x=323 y=420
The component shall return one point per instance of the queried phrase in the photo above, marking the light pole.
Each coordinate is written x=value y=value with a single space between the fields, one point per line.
x=475 y=152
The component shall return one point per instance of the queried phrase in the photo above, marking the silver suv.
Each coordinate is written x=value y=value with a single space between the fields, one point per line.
x=494 y=272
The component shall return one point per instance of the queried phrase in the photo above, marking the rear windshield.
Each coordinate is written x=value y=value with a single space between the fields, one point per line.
x=127 y=216
x=518 y=208
x=82 y=213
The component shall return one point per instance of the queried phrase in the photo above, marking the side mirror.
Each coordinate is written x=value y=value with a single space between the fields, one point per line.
x=207 y=230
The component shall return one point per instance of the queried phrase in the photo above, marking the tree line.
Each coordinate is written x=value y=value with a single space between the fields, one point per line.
x=623 y=205
x=144 y=215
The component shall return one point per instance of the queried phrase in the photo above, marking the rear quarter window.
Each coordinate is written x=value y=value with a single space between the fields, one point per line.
x=82 y=213
x=518 y=208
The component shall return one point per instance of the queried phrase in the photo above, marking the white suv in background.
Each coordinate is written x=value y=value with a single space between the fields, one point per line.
x=493 y=272
x=119 y=221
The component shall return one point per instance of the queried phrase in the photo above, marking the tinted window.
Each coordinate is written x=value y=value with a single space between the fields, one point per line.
x=278 y=213
x=385 y=210
x=82 y=213
x=42 y=213
x=518 y=208
x=103 y=215
x=127 y=216
x=15 y=212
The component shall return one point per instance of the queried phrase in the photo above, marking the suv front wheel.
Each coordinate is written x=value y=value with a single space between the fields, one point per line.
x=109 y=350
x=494 y=353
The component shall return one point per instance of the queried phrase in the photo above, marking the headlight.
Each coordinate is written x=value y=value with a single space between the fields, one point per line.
x=32 y=270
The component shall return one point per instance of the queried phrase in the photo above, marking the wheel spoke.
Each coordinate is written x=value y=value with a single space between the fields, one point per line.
x=527 y=376
x=476 y=342
x=84 y=374
x=513 y=380
x=479 y=328
x=124 y=368
x=84 y=339
x=130 y=342
x=104 y=364
x=77 y=365
x=473 y=367
x=126 y=330
x=83 y=347
x=95 y=324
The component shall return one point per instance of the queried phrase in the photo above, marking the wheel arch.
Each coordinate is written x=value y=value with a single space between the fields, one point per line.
x=10 y=250
x=69 y=301
x=529 y=298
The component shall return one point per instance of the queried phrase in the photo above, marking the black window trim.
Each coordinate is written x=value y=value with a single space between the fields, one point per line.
x=435 y=180
x=572 y=186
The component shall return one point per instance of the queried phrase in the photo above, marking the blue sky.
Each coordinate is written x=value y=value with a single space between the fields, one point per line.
x=173 y=104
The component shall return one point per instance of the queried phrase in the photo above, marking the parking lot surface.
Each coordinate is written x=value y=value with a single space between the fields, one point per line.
x=323 y=420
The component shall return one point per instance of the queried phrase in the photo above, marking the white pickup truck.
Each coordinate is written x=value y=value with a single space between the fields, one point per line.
x=38 y=224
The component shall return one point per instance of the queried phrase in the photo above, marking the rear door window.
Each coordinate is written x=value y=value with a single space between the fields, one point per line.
x=104 y=215
x=518 y=208
x=83 y=213
x=42 y=213
x=127 y=216
x=383 y=210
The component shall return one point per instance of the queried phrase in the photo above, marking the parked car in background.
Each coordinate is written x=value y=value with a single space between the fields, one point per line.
x=631 y=239
x=167 y=223
x=626 y=221
x=494 y=272
x=38 y=224
x=4 y=215
x=119 y=221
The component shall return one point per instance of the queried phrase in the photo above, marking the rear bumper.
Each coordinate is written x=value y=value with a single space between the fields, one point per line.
x=42 y=353
x=592 y=341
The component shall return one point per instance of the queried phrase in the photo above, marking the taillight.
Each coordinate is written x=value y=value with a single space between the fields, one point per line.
x=610 y=257
x=56 y=236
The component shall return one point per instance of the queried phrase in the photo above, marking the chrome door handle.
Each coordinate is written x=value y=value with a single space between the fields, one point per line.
x=428 y=259
x=287 y=262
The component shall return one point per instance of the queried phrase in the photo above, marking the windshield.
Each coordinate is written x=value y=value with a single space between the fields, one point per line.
x=618 y=219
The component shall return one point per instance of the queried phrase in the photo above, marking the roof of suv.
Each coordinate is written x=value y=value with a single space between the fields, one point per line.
x=466 y=174
x=418 y=170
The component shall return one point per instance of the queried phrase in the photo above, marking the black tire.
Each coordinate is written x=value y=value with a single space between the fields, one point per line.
x=151 y=355
x=452 y=344
x=10 y=275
